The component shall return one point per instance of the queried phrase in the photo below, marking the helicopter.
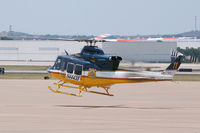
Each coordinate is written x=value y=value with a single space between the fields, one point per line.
x=93 y=68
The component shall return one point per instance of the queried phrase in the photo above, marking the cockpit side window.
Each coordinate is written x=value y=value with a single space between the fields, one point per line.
x=63 y=65
x=58 y=64
x=70 y=68
x=78 y=69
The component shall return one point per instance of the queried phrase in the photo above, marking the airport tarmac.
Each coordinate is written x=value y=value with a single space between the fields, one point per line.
x=27 y=106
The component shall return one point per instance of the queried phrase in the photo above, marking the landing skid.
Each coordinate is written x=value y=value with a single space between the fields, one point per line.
x=80 y=88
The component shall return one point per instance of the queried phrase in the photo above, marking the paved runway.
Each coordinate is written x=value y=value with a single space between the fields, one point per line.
x=27 y=106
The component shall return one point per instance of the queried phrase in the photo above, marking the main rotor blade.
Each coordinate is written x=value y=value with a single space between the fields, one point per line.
x=58 y=39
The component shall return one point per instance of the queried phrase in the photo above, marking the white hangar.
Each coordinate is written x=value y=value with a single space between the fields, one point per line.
x=189 y=43
x=145 y=51
x=34 y=50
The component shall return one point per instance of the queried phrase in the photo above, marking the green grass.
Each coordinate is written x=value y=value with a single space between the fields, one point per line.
x=187 y=78
x=25 y=68
x=23 y=76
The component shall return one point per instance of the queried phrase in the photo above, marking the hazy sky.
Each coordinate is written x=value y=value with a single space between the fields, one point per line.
x=94 y=17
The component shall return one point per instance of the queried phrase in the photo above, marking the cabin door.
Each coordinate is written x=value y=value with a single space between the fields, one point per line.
x=74 y=71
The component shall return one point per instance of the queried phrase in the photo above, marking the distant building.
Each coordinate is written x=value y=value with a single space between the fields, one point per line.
x=147 y=51
x=18 y=50
x=188 y=43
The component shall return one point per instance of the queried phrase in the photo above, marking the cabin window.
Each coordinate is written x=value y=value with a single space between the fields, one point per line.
x=58 y=64
x=70 y=68
x=78 y=69
x=63 y=65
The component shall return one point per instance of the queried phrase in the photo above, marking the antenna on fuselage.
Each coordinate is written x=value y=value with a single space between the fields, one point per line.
x=66 y=52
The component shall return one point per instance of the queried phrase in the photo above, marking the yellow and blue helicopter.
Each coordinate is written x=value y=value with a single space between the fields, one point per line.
x=92 y=68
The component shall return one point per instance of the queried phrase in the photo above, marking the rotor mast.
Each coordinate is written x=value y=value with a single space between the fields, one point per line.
x=92 y=42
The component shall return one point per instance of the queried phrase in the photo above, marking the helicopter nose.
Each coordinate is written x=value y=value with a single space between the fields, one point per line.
x=115 y=58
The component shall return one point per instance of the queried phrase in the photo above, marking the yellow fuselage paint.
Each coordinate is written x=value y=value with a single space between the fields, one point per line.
x=99 y=82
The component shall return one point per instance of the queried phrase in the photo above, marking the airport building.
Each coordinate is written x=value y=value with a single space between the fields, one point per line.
x=188 y=43
x=144 y=51
x=34 y=50
x=147 y=51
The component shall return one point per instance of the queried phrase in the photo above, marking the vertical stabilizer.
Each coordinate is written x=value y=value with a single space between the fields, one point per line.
x=176 y=63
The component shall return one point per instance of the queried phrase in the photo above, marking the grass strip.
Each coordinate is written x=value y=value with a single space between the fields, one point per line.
x=23 y=76
x=24 y=68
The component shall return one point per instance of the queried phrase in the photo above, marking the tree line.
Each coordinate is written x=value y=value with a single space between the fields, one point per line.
x=190 y=52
